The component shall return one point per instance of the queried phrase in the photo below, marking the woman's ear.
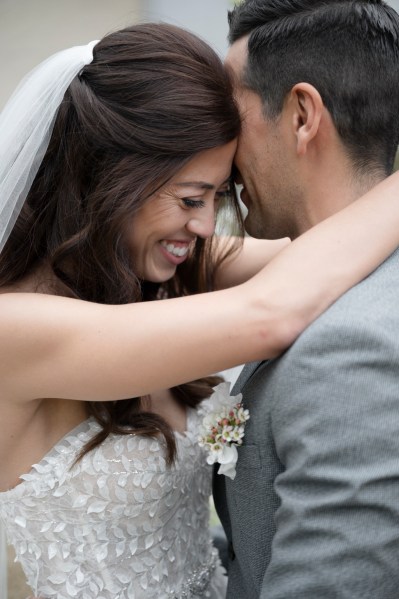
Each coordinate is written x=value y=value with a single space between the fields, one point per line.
x=307 y=108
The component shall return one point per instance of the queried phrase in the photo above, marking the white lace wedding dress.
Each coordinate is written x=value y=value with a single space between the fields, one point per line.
x=119 y=524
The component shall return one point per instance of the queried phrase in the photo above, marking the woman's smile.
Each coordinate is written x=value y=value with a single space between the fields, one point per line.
x=175 y=251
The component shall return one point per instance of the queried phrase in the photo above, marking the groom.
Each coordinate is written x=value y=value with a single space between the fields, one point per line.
x=313 y=512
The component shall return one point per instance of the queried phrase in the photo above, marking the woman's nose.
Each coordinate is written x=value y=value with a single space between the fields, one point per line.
x=202 y=224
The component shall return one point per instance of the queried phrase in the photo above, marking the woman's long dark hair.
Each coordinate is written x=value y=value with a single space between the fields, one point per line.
x=153 y=97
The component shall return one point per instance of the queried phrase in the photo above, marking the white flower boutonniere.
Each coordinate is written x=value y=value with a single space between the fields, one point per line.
x=223 y=429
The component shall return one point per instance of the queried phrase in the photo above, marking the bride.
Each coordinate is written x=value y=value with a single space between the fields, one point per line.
x=115 y=163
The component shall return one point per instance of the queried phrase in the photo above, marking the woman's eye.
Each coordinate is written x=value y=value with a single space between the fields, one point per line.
x=193 y=203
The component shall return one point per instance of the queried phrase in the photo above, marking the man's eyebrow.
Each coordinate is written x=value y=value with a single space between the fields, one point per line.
x=201 y=184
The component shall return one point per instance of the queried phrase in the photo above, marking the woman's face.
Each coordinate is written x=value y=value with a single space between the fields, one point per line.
x=165 y=228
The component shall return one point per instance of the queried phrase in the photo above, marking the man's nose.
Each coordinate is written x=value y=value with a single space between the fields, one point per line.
x=202 y=224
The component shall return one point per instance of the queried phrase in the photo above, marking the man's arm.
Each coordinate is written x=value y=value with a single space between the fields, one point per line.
x=335 y=421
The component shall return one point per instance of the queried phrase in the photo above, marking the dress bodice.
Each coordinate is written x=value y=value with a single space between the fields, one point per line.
x=118 y=524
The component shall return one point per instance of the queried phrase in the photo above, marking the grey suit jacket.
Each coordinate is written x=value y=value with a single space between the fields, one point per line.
x=313 y=512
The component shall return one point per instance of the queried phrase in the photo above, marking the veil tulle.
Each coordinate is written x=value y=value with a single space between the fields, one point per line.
x=26 y=124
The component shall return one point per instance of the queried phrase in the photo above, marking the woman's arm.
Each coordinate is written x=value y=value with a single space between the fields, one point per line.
x=59 y=347
x=246 y=259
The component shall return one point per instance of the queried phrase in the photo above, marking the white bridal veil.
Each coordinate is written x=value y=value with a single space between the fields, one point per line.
x=26 y=124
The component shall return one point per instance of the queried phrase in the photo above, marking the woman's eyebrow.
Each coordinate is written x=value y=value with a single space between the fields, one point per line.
x=201 y=184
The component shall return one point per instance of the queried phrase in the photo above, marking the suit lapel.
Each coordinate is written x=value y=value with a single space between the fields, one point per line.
x=245 y=375
x=219 y=481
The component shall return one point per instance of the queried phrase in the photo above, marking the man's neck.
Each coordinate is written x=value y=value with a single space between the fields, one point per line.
x=328 y=195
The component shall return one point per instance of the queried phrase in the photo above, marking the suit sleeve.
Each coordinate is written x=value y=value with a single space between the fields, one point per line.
x=335 y=424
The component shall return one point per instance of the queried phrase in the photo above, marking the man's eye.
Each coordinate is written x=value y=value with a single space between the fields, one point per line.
x=193 y=203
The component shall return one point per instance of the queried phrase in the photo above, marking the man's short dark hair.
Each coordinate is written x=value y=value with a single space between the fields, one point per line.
x=347 y=49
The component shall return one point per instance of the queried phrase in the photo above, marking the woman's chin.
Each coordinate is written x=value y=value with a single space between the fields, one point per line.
x=160 y=277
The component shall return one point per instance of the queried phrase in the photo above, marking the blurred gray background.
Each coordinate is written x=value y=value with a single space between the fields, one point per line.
x=31 y=30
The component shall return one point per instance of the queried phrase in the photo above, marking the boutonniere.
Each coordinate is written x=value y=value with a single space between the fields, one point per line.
x=222 y=429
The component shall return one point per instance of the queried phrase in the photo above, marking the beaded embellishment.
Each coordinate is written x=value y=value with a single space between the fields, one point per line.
x=198 y=583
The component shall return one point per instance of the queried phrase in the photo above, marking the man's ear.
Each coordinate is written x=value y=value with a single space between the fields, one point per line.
x=307 y=108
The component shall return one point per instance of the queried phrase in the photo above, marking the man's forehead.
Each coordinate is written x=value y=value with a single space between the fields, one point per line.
x=236 y=58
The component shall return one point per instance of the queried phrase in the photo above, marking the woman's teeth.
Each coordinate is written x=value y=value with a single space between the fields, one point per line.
x=176 y=250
